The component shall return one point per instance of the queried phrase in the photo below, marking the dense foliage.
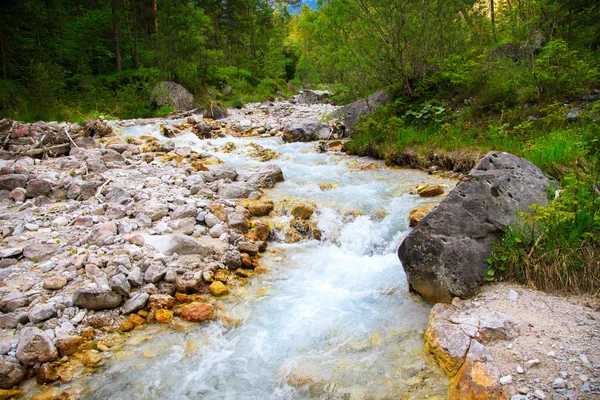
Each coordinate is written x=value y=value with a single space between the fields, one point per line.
x=64 y=59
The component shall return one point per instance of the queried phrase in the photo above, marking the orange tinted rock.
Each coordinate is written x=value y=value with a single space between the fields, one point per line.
x=136 y=320
x=163 y=316
x=430 y=191
x=415 y=216
x=197 y=312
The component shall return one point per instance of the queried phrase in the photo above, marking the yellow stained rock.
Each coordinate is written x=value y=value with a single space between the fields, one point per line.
x=415 y=216
x=10 y=394
x=430 y=190
x=126 y=326
x=92 y=359
x=262 y=291
x=302 y=211
x=259 y=208
x=217 y=288
x=148 y=354
x=327 y=185
x=136 y=320
x=48 y=394
x=218 y=210
x=163 y=316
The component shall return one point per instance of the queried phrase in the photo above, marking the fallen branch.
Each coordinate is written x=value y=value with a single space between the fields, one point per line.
x=70 y=138
x=99 y=190
x=38 y=151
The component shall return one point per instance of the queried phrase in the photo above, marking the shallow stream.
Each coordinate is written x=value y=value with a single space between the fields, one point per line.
x=331 y=319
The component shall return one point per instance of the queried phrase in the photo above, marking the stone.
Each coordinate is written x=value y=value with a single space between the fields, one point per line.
x=430 y=191
x=55 y=282
x=68 y=345
x=495 y=327
x=264 y=177
x=513 y=295
x=11 y=252
x=197 y=312
x=42 y=312
x=18 y=194
x=350 y=113
x=558 y=383
x=445 y=256
x=38 y=187
x=415 y=216
x=310 y=97
x=506 y=380
x=184 y=211
x=13 y=319
x=155 y=210
x=120 y=284
x=302 y=211
x=185 y=245
x=259 y=208
x=135 y=303
x=163 y=316
x=46 y=373
x=96 y=298
x=261 y=230
x=477 y=378
x=248 y=247
x=60 y=221
x=538 y=394
x=11 y=372
x=40 y=251
x=174 y=95
x=155 y=272
x=13 y=300
x=306 y=130
x=215 y=111
x=135 y=277
x=519 y=369
x=234 y=190
x=12 y=181
x=35 y=346
x=445 y=341
x=157 y=301
x=217 y=288
x=224 y=171
x=92 y=359
x=232 y=259
x=237 y=221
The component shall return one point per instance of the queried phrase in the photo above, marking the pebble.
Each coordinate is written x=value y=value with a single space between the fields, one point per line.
x=520 y=369
x=584 y=360
x=506 y=380
x=532 y=363
x=538 y=394
x=583 y=378
x=563 y=374
x=513 y=295
x=558 y=383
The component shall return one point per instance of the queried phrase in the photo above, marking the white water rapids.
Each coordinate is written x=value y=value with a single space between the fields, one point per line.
x=336 y=321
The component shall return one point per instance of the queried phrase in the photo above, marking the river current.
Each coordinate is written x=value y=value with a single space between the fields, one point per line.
x=331 y=319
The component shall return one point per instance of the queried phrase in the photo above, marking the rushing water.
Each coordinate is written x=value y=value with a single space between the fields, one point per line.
x=332 y=318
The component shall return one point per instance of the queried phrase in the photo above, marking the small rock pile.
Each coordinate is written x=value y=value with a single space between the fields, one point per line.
x=511 y=342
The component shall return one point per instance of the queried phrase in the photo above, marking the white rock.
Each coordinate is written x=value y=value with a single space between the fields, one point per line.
x=558 y=383
x=538 y=394
x=512 y=295
x=506 y=380
x=60 y=221
x=584 y=360
x=520 y=369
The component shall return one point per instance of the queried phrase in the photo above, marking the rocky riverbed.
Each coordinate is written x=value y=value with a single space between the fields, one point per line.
x=176 y=224
x=248 y=258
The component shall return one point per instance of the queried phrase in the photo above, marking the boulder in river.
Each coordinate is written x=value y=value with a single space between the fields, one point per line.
x=174 y=95
x=265 y=177
x=350 y=113
x=445 y=256
x=307 y=131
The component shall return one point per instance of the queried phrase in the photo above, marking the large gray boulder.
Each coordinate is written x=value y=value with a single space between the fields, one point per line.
x=174 y=95
x=35 y=346
x=445 y=256
x=350 y=113
x=307 y=131
x=312 y=97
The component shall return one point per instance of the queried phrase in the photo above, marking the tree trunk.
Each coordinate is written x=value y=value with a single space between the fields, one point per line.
x=493 y=18
x=2 y=52
x=116 y=36
x=136 y=61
